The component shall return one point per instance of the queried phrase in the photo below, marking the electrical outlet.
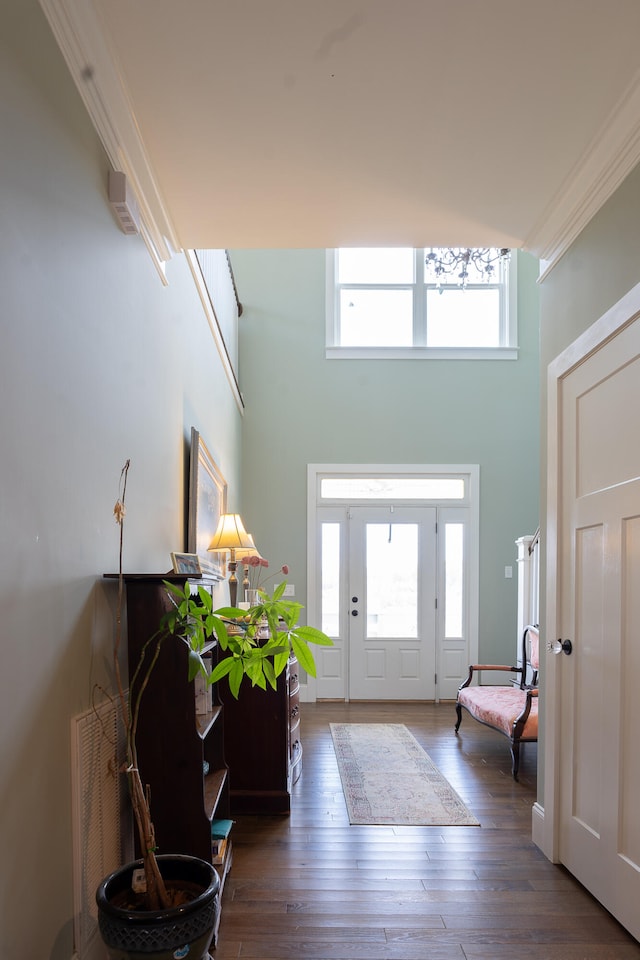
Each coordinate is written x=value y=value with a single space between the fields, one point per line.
x=508 y=573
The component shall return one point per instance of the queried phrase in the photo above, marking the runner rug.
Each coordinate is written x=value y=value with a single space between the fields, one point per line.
x=388 y=778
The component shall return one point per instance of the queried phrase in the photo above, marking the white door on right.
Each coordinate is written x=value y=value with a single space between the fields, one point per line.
x=599 y=592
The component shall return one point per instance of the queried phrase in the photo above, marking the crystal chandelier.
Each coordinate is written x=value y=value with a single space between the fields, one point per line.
x=462 y=265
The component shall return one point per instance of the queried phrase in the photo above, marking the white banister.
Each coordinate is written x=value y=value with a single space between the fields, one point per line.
x=528 y=558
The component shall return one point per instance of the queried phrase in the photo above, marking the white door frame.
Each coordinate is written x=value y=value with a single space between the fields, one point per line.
x=546 y=818
x=471 y=471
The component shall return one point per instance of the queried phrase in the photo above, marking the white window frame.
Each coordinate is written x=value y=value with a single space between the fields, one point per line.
x=419 y=350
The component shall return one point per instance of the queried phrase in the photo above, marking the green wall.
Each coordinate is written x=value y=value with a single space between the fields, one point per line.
x=302 y=408
x=601 y=266
x=98 y=362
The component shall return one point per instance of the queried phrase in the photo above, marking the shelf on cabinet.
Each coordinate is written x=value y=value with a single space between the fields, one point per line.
x=204 y=721
x=214 y=784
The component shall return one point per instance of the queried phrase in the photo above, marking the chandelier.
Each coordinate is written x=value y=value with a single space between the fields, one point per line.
x=465 y=264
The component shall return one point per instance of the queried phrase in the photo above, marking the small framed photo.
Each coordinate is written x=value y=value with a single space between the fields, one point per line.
x=188 y=563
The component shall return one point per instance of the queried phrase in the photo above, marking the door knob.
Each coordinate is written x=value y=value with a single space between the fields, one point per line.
x=561 y=646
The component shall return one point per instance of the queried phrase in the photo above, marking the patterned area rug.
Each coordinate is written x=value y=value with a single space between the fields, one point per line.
x=388 y=778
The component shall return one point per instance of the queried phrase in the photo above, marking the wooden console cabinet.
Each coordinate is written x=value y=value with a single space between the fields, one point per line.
x=181 y=752
x=263 y=744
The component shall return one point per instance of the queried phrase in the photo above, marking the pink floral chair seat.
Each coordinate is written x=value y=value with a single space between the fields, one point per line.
x=500 y=707
x=511 y=710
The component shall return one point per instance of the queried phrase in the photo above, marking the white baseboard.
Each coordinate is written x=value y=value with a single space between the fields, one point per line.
x=537 y=825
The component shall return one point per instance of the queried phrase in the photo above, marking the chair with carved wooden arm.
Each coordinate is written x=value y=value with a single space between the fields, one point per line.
x=512 y=709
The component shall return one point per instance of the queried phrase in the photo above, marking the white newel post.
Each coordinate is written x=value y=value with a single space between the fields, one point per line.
x=527 y=586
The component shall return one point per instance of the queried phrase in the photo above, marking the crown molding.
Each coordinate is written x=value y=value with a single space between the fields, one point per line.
x=611 y=156
x=78 y=32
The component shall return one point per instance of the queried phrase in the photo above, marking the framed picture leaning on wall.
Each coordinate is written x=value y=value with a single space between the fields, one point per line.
x=207 y=501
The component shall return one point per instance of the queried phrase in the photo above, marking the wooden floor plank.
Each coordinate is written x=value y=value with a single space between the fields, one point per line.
x=312 y=887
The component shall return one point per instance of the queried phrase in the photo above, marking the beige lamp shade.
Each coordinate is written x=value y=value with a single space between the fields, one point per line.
x=231 y=535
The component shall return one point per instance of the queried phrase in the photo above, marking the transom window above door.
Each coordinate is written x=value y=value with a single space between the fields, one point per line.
x=405 y=303
x=366 y=487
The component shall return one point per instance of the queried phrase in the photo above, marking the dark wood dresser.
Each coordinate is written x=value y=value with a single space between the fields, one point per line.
x=263 y=745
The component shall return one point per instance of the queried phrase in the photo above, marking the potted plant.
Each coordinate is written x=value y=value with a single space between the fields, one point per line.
x=167 y=905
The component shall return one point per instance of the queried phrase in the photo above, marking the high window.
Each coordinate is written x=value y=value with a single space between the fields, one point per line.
x=390 y=302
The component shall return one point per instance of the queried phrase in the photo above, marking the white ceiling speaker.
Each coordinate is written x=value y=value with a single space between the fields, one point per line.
x=123 y=202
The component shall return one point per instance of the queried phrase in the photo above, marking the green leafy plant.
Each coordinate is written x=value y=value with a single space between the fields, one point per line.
x=254 y=643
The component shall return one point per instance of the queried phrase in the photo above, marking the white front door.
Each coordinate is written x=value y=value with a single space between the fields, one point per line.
x=599 y=611
x=392 y=603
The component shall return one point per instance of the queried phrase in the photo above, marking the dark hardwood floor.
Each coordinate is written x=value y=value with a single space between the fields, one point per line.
x=312 y=887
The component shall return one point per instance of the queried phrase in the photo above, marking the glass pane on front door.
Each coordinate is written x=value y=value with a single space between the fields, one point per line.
x=454 y=572
x=392 y=579
x=330 y=605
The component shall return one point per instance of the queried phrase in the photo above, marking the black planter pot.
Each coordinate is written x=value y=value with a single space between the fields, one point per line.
x=184 y=931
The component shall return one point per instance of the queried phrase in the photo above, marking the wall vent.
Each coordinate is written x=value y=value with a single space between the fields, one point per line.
x=124 y=202
x=102 y=837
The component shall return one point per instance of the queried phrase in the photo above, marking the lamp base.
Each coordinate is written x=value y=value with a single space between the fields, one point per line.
x=233 y=583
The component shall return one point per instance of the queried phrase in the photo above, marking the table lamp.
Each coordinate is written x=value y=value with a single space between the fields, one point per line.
x=229 y=537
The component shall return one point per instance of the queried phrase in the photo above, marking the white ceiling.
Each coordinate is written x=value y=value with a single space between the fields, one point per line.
x=286 y=123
